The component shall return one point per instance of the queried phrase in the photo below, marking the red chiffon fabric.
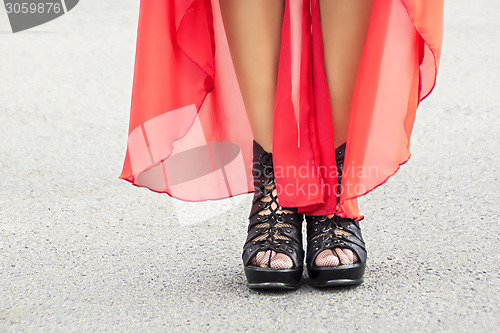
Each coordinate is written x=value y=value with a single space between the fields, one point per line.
x=189 y=134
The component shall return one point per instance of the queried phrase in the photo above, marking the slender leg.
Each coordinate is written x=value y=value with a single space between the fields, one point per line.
x=344 y=27
x=253 y=29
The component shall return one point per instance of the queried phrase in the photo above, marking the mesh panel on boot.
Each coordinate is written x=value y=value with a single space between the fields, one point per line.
x=337 y=256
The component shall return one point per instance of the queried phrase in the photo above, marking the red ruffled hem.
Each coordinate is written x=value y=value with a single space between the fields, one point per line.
x=189 y=135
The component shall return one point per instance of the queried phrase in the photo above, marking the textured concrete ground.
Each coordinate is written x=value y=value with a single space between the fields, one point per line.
x=82 y=250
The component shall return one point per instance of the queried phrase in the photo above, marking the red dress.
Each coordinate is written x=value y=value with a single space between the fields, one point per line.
x=189 y=134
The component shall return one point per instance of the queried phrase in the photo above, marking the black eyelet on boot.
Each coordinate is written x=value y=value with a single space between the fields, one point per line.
x=279 y=232
x=321 y=236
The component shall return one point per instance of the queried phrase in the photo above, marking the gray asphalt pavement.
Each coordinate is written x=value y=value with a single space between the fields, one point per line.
x=81 y=250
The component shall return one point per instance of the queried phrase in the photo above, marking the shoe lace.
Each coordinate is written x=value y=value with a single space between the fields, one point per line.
x=331 y=230
x=272 y=223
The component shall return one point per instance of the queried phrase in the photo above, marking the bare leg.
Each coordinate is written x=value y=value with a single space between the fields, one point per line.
x=344 y=26
x=253 y=30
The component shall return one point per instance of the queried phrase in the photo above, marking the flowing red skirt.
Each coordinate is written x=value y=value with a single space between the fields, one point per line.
x=189 y=134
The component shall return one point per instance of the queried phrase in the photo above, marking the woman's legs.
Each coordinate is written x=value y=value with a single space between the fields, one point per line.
x=344 y=28
x=253 y=29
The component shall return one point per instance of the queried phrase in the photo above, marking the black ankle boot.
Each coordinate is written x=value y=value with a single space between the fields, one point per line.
x=279 y=232
x=321 y=236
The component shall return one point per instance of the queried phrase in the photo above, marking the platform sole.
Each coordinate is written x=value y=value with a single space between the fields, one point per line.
x=269 y=278
x=337 y=276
